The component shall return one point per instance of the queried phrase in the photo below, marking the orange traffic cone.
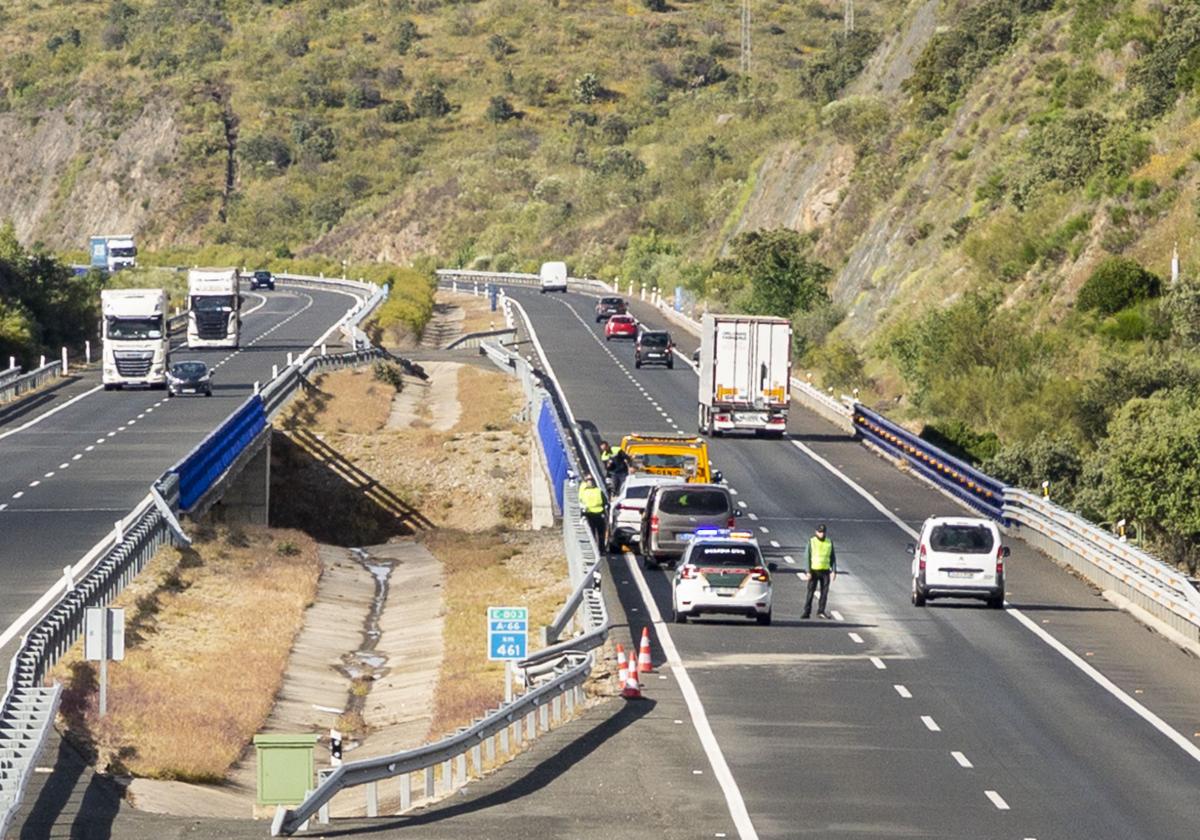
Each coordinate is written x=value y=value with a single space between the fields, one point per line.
x=622 y=668
x=632 y=690
x=645 y=666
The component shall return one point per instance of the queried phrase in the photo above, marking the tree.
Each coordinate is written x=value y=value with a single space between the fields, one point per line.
x=430 y=101
x=587 y=89
x=783 y=279
x=1117 y=283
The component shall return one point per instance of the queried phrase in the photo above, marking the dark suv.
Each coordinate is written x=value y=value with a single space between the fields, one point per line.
x=262 y=280
x=654 y=347
x=606 y=307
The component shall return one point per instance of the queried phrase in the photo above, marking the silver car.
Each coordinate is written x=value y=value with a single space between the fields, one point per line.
x=674 y=513
x=627 y=507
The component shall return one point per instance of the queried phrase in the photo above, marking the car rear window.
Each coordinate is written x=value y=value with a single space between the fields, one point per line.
x=744 y=556
x=611 y=301
x=964 y=539
x=655 y=339
x=694 y=502
x=638 y=491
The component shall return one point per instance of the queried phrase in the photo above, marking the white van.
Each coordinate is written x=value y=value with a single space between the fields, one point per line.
x=958 y=557
x=554 y=277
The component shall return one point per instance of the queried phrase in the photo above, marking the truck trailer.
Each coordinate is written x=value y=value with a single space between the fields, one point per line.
x=214 y=308
x=745 y=374
x=135 y=341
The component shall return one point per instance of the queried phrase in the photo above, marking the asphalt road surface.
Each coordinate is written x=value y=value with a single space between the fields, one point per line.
x=83 y=461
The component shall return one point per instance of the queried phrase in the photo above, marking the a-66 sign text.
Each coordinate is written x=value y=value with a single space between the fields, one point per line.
x=508 y=633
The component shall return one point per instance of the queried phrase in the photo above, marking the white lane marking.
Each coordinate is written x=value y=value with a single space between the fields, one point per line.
x=962 y=760
x=837 y=615
x=99 y=440
x=89 y=448
x=18 y=494
x=49 y=474
x=729 y=786
x=878 y=663
x=857 y=639
x=741 y=504
x=753 y=517
x=732 y=491
x=50 y=413
x=64 y=465
x=764 y=529
x=774 y=543
x=787 y=558
x=3 y=506
x=34 y=483
x=903 y=692
x=1104 y=682
x=997 y=800
x=930 y=723
x=131 y=423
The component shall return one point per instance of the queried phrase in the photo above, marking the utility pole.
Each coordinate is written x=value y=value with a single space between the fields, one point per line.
x=744 y=64
x=848 y=17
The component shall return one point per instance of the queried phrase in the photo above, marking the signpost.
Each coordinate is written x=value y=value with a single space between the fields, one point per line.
x=104 y=639
x=508 y=639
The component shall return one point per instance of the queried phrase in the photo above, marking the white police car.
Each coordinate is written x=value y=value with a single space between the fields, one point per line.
x=722 y=571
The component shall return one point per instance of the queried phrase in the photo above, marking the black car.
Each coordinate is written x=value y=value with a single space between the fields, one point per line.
x=654 y=347
x=190 y=377
x=606 y=307
x=262 y=280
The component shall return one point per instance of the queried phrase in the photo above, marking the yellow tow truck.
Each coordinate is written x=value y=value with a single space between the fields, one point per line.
x=670 y=455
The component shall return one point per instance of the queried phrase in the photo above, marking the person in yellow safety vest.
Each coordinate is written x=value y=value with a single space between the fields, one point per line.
x=591 y=503
x=822 y=570
x=616 y=464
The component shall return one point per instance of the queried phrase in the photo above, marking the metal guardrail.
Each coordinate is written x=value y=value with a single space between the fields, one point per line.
x=567 y=664
x=516 y=278
x=9 y=374
x=35 y=378
x=55 y=622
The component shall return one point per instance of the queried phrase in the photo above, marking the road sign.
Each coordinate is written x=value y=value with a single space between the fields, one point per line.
x=508 y=633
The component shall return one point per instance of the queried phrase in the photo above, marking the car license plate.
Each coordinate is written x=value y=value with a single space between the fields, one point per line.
x=961 y=574
x=684 y=536
x=725 y=590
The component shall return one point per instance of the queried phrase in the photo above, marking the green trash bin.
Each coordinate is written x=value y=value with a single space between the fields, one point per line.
x=286 y=771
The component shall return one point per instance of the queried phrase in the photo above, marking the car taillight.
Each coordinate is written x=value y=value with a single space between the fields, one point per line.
x=688 y=573
x=760 y=574
x=729 y=523
x=654 y=524
x=921 y=560
x=999 y=561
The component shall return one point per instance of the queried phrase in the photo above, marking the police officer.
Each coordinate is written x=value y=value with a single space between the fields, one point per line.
x=822 y=570
x=591 y=502
x=616 y=464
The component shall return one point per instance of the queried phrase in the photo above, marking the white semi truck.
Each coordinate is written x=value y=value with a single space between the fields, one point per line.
x=134 y=332
x=745 y=374
x=214 y=308
x=113 y=252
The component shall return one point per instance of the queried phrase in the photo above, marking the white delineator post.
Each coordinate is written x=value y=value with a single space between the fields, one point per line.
x=64 y=361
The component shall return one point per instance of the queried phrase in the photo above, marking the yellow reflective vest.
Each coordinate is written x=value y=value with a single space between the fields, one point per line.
x=820 y=554
x=591 y=499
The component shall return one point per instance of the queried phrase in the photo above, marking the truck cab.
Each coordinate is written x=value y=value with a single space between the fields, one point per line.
x=677 y=455
x=135 y=341
x=214 y=308
x=112 y=253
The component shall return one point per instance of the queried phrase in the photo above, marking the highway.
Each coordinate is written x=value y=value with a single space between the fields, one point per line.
x=1059 y=717
x=74 y=468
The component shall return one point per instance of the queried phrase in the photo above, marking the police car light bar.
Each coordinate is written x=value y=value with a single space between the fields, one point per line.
x=720 y=533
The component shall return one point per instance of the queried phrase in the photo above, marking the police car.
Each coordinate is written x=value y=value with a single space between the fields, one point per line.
x=722 y=571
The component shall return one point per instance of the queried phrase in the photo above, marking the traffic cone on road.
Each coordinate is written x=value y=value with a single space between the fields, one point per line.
x=632 y=690
x=622 y=668
x=644 y=665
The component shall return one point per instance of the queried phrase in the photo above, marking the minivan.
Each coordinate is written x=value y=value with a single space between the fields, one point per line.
x=958 y=557
x=674 y=512
x=654 y=347
x=553 y=276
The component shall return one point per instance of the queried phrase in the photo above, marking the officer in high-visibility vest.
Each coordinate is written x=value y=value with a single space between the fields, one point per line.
x=616 y=465
x=591 y=502
x=822 y=570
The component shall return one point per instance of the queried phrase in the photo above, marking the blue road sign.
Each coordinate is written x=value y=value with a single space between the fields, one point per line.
x=508 y=633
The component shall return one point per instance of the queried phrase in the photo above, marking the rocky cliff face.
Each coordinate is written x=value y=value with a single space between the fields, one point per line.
x=76 y=170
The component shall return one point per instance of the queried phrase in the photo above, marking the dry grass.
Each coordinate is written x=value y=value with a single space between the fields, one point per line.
x=208 y=634
x=478 y=316
x=351 y=401
x=490 y=400
x=493 y=568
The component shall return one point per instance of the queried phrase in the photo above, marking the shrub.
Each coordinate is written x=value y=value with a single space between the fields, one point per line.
x=668 y=36
x=265 y=152
x=389 y=373
x=430 y=101
x=1116 y=283
x=614 y=130
x=783 y=279
x=655 y=5
x=315 y=139
x=1045 y=458
x=292 y=43
x=1170 y=64
x=621 y=162
x=700 y=70
x=823 y=77
x=406 y=35
x=961 y=441
x=499 y=110
x=363 y=96
x=499 y=47
x=1182 y=306
x=586 y=89
x=396 y=112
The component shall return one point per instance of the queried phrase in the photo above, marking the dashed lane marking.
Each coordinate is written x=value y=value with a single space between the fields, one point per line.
x=854 y=637
x=878 y=663
x=930 y=723
x=903 y=692
x=997 y=800
x=962 y=760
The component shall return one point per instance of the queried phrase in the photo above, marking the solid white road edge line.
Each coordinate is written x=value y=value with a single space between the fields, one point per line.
x=733 y=795
x=1104 y=682
x=50 y=413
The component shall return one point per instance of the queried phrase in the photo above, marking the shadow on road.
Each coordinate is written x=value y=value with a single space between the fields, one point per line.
x=90 y=809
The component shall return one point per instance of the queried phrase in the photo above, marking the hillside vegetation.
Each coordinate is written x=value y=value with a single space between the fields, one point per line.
x=968 y=207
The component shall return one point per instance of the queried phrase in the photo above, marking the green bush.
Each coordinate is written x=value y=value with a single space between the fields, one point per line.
x=265 y=153
x=499 y=110
x=1169 y=67
x=1052 y=458
x=961 y=441
x=430 y=101
x=783 y=277
x=389 y=373
x=1116 y=283
x=586 y=89
x=396 y=112
x=499 y=47
x=699 y=70
x=823 y=77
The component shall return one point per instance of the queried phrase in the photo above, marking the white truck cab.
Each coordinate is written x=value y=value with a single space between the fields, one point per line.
x=214 y=308
x=553 y=276
x=135 y=341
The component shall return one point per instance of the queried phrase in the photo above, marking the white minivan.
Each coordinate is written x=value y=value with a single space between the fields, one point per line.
x=958 y=557
x=554 y=277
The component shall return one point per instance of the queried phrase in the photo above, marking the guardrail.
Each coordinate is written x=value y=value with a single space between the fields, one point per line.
x=17 y=385
x=55 y=622
x=567 y=665
x=516 y=278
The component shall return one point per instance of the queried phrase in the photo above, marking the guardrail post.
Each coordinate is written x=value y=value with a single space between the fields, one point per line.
x=68 y=578
x=372 y=799
x=256 y=388
x=447 y=778
x=41 y=361
x=405 y=792
x=477 y=759
x=428 y=791
x=490 y=751
x=12 y=362
x=556 y=708
x=274 y=371
x=460 y=770
x=544 y=718
x=289 y=358
x=118 y=532
x=475 y=290
x=64 y=361
x=324 y=352
x=504 y=741
x=517 y=733
x=87 y=351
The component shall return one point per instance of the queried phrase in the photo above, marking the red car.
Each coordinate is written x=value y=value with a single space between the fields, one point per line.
x=620 y=326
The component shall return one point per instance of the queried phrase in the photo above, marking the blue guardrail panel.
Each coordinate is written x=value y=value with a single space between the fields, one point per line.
x=977 y=489
x=556 y=453
x=200 y=468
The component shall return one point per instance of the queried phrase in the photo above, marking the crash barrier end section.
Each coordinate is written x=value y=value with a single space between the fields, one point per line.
x=213 y=455
x=977 y=489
